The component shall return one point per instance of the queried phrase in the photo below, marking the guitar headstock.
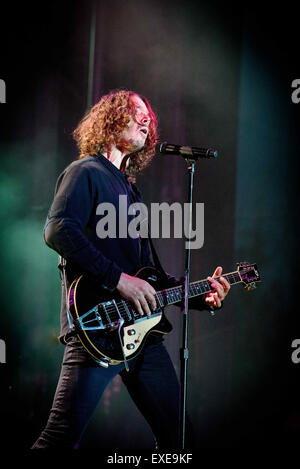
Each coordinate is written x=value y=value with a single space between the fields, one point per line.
x=249 y=274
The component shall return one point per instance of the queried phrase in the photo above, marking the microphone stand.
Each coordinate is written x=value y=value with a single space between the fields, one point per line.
x=185 y=351
x=190 y=154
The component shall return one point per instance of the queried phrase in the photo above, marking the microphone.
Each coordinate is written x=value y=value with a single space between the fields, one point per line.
x=184 y=150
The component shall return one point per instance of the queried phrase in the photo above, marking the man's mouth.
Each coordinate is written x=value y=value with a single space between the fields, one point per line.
x=144 y=130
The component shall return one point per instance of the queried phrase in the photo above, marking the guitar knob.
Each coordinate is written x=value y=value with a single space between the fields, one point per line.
x=131 y=332
x=130 y=346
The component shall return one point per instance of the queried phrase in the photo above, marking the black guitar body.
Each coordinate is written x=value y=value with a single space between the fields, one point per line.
x=108 y=326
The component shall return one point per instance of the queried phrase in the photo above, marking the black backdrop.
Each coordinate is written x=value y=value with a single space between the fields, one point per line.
x=217 y=76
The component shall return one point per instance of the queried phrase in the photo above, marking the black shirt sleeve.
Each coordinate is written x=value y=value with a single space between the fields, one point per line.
x=67 y=219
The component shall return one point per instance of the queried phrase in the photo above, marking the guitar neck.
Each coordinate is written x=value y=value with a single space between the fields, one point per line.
x=176 y=294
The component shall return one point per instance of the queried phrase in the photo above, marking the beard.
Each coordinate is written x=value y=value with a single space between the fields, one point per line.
x=131 y=145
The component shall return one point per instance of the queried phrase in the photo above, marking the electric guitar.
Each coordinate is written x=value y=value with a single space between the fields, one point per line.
x=110 y=328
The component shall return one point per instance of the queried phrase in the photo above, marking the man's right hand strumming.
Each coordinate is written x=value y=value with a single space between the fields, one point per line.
x=139 y=292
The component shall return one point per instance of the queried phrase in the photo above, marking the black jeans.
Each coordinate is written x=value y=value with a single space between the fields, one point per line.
x=151 y=382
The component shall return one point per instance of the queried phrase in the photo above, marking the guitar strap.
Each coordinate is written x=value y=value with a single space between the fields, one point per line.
x=156 y=258
x=62 y=268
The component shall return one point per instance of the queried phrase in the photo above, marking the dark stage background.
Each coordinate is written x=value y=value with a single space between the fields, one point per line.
x=217 y=76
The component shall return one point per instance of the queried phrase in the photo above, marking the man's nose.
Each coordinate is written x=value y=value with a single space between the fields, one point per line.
x=145 y=119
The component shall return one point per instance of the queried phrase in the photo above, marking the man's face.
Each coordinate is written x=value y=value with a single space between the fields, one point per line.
x=135 y=135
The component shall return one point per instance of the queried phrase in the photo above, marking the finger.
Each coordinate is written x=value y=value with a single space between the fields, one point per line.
x=222 y=288
x=138 y=307
x=216 y=285
x=219 y=290
x=217 y=301
x=218 y=272
x=225 y=284
x=145 y=306
x=149 y=288
x=151 y=298
x=213 y=300
x=210 y=299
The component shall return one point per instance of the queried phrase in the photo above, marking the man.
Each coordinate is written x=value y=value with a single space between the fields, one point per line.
x=116 y=139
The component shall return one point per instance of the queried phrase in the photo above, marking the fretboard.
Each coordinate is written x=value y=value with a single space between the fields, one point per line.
x=176 y=294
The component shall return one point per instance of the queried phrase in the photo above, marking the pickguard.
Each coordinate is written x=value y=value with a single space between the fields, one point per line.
x=141 y=327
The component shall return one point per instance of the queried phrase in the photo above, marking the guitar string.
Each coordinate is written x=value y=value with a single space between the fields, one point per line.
x=168 y=294
x=109 y=310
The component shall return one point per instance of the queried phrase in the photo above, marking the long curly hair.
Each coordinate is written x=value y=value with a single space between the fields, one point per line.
x=105 y=121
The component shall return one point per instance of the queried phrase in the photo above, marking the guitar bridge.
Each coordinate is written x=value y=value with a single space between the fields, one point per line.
x=90 y=321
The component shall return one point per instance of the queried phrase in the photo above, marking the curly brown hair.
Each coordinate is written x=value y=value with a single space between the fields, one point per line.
x=104 y=123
